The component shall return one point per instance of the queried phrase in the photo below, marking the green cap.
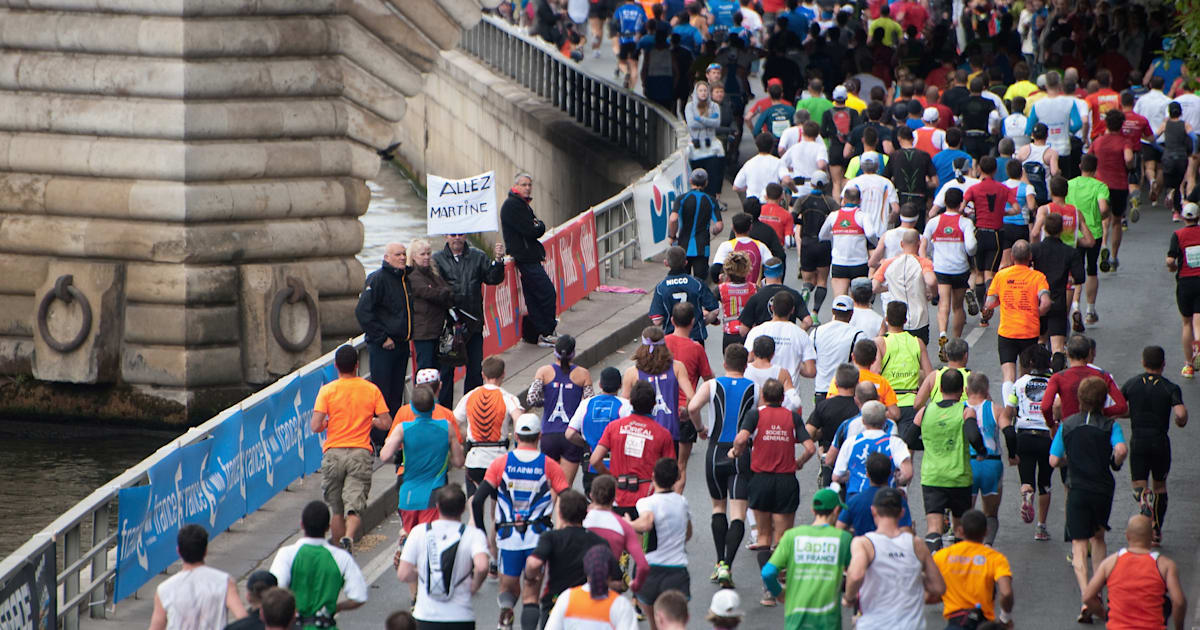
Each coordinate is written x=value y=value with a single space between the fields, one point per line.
x=825 y=500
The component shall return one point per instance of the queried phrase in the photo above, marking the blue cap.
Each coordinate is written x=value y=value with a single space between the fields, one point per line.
x=773 y=271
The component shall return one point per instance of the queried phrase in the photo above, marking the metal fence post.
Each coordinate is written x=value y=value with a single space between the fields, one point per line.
x=69 y=618
x=98 y=609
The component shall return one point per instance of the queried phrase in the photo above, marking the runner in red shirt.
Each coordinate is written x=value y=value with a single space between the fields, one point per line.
x=691 y=354
x=1101 y=102
x=1113 y=157
x=1064 y=385
x=633 y=444
x=774 y=215
x=1136 y=129
x=992 y=201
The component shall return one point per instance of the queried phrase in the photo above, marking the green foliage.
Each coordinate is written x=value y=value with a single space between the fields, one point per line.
x=1185 y=44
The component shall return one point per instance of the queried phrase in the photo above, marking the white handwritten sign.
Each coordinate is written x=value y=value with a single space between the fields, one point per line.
x=462 y=206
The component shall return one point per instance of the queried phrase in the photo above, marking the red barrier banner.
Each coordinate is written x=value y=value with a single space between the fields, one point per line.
x=501 y=317
x=571 y=260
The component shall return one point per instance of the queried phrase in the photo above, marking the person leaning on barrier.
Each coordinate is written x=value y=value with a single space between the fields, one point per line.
x=521 y=230
x=317 y=572
x=198 y=594
x=467 y=269
x=346 y=410
x=385 y=315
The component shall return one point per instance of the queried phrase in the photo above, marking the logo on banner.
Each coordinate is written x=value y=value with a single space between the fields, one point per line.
x=660 y=204
x=588 y=246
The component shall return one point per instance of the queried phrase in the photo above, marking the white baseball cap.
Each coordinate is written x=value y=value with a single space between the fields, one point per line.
x=726 y=603
x=528 y=424
x=839 y=93
x=427 y=375
x=930 y=115
x=1190 y=211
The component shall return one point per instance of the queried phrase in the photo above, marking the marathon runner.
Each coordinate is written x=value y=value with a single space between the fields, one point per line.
x=992 y=201
x=594 y=415
x=1062 y=265
x=524 y=482
x=632 y=445
x=908 y=278
x=1183 y=259
x=665 y=521
x=846 y=231
x=760 y=370
x=975 y=575
x=814 y=579
x=1142 y=585
x=695 y=360
x=695 y=218
x=1023 y=296
x=1023 y=406
x=654 y=365
x=734 y=293
x=733 y=397
x=829 y=414
x=850 y=470
x=911 y=170
x=558 y=388
x=316 y=572
x=678 y=287
x=952 y=241
x=1154 y=402
x=987 y=467
x=1090 y=197
x=815 y=254
x=903 y=361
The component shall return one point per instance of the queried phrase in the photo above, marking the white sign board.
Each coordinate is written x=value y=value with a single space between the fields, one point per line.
x=462 y=206
x=653 y=201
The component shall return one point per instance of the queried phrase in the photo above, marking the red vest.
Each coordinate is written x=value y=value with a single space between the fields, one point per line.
x=1135 y=592
x=948 y=230
x=733 y=300
x=924 y=140
x=1189 y=237
x=1068 y=214
x=774 y=448
x=846 y=223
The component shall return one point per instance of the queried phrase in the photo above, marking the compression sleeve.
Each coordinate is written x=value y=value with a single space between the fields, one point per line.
x=1010 y=440
x=1118 y=435
x=484 y=492
x=1056 y=446
x=770 y=578
x=974 y=437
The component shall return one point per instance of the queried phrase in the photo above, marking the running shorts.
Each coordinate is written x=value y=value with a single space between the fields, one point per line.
x=628 y=52
x=848 y=272
x=986 y=476
x=987 y=256
x=939 y=499
x=1187 y=296
x=815 y=254
x=726 y=478
x=662 y=579
x=1033 y=449
x=1150 y=457
x=1009 y=349
x=1011 y=234
x=1118 y=201
x=1055 y=323
x=1091 y=258
x=1087 y=513
x=955 y=280
x=556 y=446
x=777 y=493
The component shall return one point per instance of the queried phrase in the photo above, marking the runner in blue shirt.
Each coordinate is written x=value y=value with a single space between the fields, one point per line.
x=857 y=515
x=722 y=12
x=944 y=160
x=987 y=475
x=594 y=414
x=630 y=21
x=680 y=286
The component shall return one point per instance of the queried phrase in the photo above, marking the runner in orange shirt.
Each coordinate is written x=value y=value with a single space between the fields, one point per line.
x=1023 y=296
x=1101 y=102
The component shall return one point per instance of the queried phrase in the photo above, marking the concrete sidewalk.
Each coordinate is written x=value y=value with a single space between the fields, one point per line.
x=601 y=323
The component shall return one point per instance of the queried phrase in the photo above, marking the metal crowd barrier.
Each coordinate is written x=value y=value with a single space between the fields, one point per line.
x=83 y=536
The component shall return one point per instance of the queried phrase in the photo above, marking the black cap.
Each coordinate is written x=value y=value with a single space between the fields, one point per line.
x=260 y=581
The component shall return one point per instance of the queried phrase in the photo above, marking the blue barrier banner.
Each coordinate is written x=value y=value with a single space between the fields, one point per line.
x=287 y=432
x=258 y=460
x=29 y=597
x=310 y=384
x=223 y=475
x=148 y=522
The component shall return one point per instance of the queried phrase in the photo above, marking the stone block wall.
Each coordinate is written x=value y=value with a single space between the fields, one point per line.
x=186 y=163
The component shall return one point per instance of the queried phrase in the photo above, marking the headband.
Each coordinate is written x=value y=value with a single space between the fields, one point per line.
x=647 y=342
x=568 y=355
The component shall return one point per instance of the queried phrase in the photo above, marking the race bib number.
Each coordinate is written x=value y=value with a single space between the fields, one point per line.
x=1191 y=255
x=778 y=127
x=635 y=445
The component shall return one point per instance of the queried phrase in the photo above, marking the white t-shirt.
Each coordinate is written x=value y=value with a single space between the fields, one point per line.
x=877 y=196
x=791 y=399
x=756 y=173
x=472 y=543
x=802 y=159
x=951 y=256
x=790 y=137
x=792 y=346
x=1190 y=104
x=891 y=241
x=1152 y=105
x=621 y=615
x=939 y=200
x=483 y=456
x=671 y=518
x=905 y=280
x=195 y=598
x=867 y=321
x=849 y=250
x=832 y=342
x=1001 y=111
x=1055 y=112
x=1014 y=127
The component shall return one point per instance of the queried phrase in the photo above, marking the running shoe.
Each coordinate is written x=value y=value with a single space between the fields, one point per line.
x=1084 y=616
x=1092 y=318
x=1027 y=507
x=547 y=341
x=506 y=619
x=493 y=571
x=1077 y=322
x=1188 y=371
x=1040 y=533
x=768 y=599
x=985 y=316
x=1135 y=213
x=1113 y=264
x=716 y=572
x=942 y=349
x=641 y=616
x=347 y=544
x=1146 y=503
x=1104 y=266
x=724 y=576
x=971 y=302
x=805 y=292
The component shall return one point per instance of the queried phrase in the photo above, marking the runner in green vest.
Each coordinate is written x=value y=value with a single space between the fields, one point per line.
x=814 y=558
x=957 y=352
x=904 y=362
x=316 y=572
x=945 y=427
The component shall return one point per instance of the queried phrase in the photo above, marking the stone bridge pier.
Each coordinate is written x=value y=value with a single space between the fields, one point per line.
x=180 y=187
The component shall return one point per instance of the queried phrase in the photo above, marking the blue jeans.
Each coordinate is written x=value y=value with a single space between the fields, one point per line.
x=426 y=353
x=474 y=372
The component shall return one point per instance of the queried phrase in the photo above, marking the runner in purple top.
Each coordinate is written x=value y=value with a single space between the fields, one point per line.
x=558 y=389
x=653 y=363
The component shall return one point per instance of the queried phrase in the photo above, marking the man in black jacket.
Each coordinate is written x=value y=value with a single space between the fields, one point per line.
x=384 y=314
x=467 y=269
x=521 y=230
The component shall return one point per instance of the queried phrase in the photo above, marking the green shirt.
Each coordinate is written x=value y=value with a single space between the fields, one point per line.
x=816 y=105
x=935 y=393
x=1085 y=194
x=316 y=582
x=901 y=366
x=814 y=558
x=947 y=462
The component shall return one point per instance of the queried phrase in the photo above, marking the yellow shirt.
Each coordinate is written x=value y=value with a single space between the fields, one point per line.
x=1020 y=88
x=893 y=33
x=855 y=103
x=970 y=570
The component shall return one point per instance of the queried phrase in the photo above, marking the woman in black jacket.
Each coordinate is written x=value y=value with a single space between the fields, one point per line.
x=431 y=298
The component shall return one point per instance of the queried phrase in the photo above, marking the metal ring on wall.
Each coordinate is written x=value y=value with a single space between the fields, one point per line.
x=293 y=293
x=64 y=290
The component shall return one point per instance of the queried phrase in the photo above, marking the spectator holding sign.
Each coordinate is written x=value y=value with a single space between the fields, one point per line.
x=467 y=269
x=521 y=230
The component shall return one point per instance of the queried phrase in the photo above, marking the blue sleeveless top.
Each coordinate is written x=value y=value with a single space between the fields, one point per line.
x=426 y=460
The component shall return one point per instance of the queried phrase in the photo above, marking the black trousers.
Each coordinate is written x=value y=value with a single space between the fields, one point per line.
x=474 y=372
x=388 y=371
x=540 y=299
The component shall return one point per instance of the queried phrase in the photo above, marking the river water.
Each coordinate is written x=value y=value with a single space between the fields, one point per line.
x=46 y=468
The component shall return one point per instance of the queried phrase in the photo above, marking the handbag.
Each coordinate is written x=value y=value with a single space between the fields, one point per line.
x=452 y=343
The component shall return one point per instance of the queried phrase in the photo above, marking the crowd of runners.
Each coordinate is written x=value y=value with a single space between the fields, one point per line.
x=937 y=167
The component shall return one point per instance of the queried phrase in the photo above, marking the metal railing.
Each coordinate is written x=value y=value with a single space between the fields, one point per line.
x=608 y=109
x=86 y=577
